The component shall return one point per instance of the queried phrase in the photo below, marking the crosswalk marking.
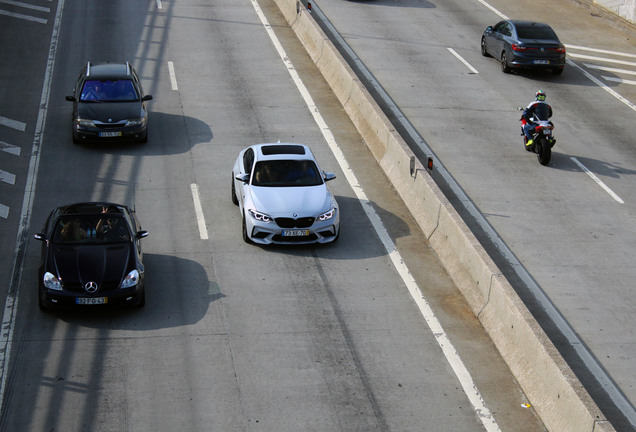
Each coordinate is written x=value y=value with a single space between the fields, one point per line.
x=13 y=124
x=26 y=5
x=10 y=148
x=7 y=177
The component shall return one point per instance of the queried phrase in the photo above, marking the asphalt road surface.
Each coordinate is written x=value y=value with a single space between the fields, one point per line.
x=233 y=337
x=569 y=225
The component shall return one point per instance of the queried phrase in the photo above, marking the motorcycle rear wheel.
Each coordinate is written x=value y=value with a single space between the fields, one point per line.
x=544 y=151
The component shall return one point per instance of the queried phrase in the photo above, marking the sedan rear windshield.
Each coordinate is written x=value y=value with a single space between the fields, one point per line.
x=281 y=173
x=120 y=90
x=532 y=32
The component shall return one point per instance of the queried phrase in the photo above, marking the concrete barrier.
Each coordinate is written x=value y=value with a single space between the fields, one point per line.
x=549 y=384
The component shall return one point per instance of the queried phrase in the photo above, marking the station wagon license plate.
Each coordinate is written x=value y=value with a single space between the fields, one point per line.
x=109 y=134
x=91 y=300
x=541 y=62
x=295 y=233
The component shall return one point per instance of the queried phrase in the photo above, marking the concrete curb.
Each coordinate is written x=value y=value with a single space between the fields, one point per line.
x=550 y=385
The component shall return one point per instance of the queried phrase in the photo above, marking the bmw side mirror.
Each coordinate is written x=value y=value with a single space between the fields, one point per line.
x=70 y=98
x=328 y=176
x=245 y=178
x=39 y=236
x=143 y=233
x=146 y=98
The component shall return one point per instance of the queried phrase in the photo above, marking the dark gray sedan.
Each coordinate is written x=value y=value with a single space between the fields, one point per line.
x=524 y=45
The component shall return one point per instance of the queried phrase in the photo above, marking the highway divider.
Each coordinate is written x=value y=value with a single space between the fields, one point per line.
x=548 y=382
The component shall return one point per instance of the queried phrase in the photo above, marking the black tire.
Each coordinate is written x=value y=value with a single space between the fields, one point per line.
x=144 y=139
x=504 y=63
x=41 y=302
x=544 y=152
x=75 y=138
x=557 y=71
x=234 y=199
x=246 y=238
x=142 y=301
x=484 y=52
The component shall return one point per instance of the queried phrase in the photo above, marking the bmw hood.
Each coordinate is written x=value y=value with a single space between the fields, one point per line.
x=91 y=263
x=109 y=112
x=284 y=201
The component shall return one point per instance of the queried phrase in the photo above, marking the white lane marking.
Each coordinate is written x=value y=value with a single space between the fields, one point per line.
x=13 y=124
x=462 y=374
x=26 y=5
x=461 y=59
x=159 y=6
x=173 y=77
x=602 y=59
x=502 y=16
x=11 y=302
x=609 y=69
x=9 y=148
x=598 y=50
x=7 y=177
x=597 y=180
x=602 y=85
x=618 y=80
x=203 y=231
x=4 y=211
x=24 y=17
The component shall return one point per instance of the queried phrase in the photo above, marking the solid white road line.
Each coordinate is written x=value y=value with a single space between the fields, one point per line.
x=4 y=211
x=602 y=59
x=24 y=17
x=173 y=77
x=609 y=69
x=11 y=302
x=26 y=5
x=597 y=180
x=13 y=124
x=9 y=148
x=598 y=50
x=618 y=80
x=462 y=374
x=461 y=59
x=203 y=231
x=7 y=177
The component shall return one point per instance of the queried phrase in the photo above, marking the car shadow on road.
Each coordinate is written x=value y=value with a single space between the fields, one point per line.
x=167 y=134
x=358 y=238
x=178 y=293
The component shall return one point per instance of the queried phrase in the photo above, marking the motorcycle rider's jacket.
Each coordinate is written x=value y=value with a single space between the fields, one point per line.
x=538 y=109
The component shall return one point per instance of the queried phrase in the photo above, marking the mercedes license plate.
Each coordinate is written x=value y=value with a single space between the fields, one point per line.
x=295 y=233
x=91 y=300
x=109 y=134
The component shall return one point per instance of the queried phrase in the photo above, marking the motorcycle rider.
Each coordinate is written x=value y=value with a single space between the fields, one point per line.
x=538 y=109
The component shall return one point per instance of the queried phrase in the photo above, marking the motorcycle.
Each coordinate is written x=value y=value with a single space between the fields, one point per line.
x=542 y=138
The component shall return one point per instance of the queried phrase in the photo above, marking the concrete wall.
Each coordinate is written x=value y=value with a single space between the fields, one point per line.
x=548 y=382
x=622 y=9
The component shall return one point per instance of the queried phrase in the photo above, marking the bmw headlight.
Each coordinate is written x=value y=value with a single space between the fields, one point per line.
x=130 y=280
x=259 y=216
x=52 y=282
x=85 y=123
x=327 y=215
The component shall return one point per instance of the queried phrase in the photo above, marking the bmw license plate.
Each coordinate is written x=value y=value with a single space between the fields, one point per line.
x=91 y=300
x=109 y=134
x=541 y=62
x=295 y=233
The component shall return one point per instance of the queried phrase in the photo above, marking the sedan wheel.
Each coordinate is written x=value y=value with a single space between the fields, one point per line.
x=504 y=63
x=484 y=52
x=246 y=238
x=234 y=199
